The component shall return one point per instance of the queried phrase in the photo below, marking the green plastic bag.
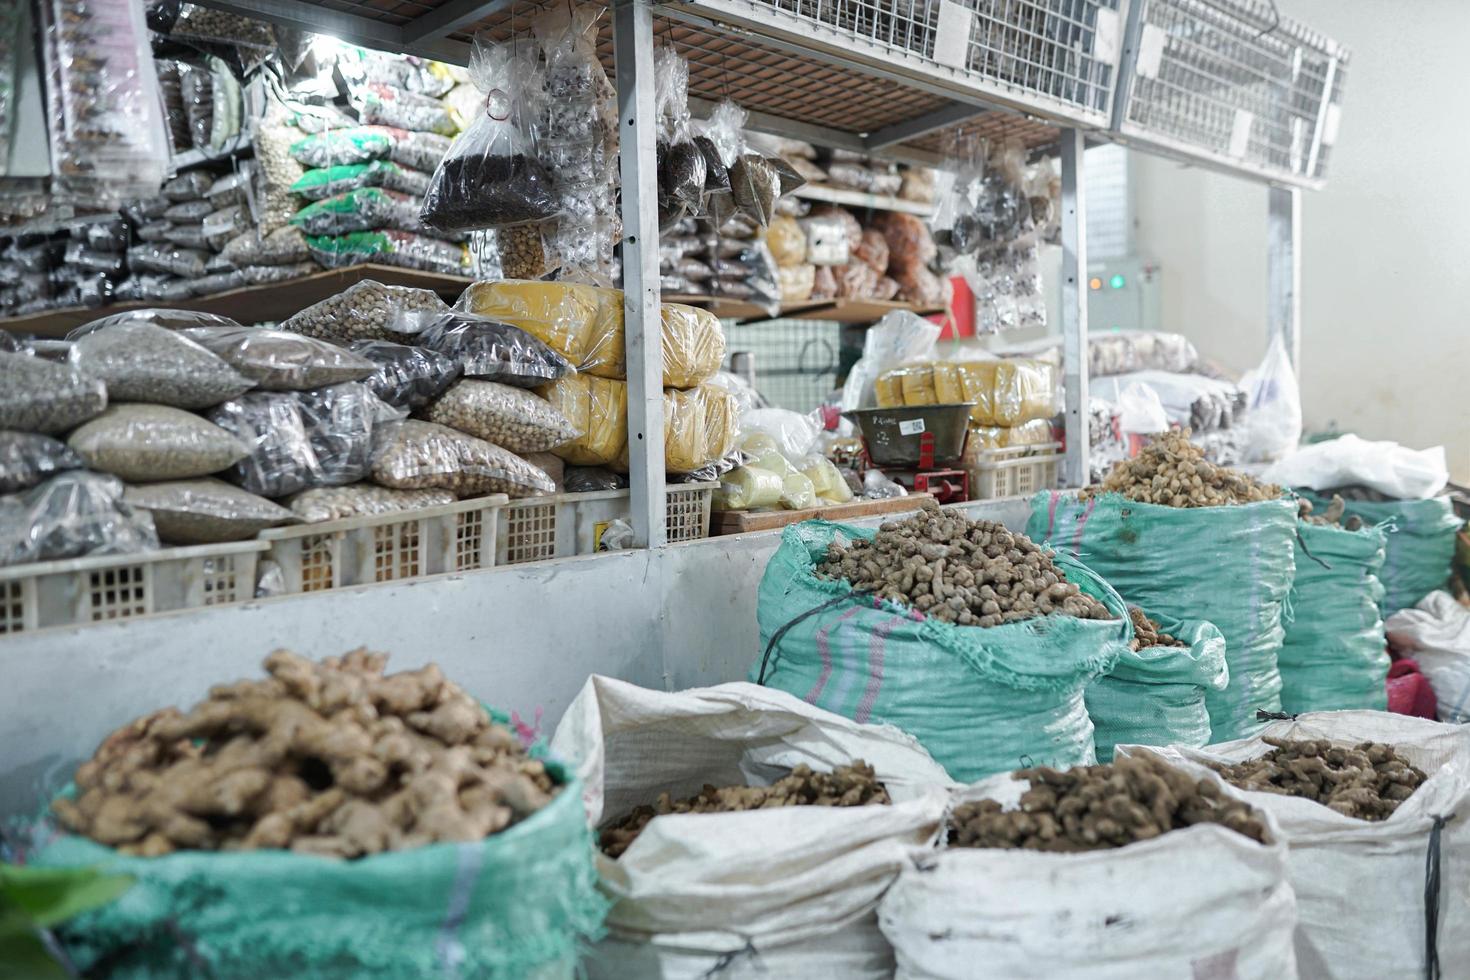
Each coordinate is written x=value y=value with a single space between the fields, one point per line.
x=1231 y=566
x=1156 y=696
x=520 y=903
x=1420 y=547
x=1335 y=656
x=323 y=182
x=982 y=701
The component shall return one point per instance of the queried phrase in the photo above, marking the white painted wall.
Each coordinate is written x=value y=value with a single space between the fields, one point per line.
x=1386 y=252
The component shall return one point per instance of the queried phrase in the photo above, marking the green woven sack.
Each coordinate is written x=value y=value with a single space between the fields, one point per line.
x=1231 y=566
x=1156 y=696
x=1335 y=656
x=519 y=904
x=981 y=700
x=1420 y=547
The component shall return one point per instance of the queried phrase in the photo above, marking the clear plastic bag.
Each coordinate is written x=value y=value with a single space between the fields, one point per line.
x=257 y=274
x=386 y=105
x=787 y=242
x=219 y=282
x=190 y=512
x=70 y=515
x=681 y=163
x=824 y=283
x=231 y=189
x=284 y=246
x=102 y=236
x=872 y=251
x=592 y=479
x=154 y=442
x=511 y=418
x=162 y=257
x=362 y=500
x=366 y=310
x=43 y=396
x=855 y=281
x=491 y=176
x=598 y=409
x=141 y=362
x=487 y=348
x=325 y=182
x=364 y=209
x=339 y=147
x=796 y=283
x=187 y=186
x=27 y=458
x=391 y=247
x=187 y=236
x=413 y=455
x=406 y=377
x=277 y=360
x=80 y=256
x=1274 y=425
x=220 y=226
x=910 y=243
x=197 y=23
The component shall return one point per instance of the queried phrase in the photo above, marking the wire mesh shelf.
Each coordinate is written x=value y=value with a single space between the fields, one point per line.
x=796 y=361
x=1234 y=82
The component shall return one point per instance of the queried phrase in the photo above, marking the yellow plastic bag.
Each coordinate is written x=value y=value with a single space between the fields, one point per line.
x=786 y=241
x=570 y=318
x=797 y=282
x=826 y=480
x=721 y=421
x=700 y=427
x=797 y=492
x=748 y=487
x=693 y=345
x=1005 y=392
x=983 y=437
x=599 y=408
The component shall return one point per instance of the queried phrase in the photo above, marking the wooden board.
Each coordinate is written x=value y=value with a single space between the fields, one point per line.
x=741 y=521
x=266 y=303
x=861 y=310
x=861 y=199
x=739 y=309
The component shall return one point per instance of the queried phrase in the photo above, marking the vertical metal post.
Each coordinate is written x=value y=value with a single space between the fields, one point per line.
x=1284 y=270
x=1074 y=309
x=633 y=59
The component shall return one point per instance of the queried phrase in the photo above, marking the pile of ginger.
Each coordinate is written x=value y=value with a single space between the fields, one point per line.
x=330 y=758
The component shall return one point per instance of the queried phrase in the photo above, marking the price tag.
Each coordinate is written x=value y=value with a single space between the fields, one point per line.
x=952 y=34
x=910 y=427
x=1150 y=51
x=1240 y=132
x=1105 y=36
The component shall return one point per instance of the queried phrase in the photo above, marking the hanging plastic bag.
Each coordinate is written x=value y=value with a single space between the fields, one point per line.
x=491 y=176
x=681 y=163
x=1274 y=425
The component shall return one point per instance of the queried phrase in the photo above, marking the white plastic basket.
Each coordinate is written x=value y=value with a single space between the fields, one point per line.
x=566 y=524
x=107 y=587
x=458 y=537
x=1014 y=472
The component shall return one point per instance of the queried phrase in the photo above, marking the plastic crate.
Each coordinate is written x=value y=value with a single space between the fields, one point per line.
x=458 y=537
x=107 y=587
x=566 y=524
x=1232 y=81
x=1014 y=472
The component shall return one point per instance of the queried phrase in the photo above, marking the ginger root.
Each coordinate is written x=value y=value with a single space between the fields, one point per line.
x=329 y=758
x=1367 y=781
x=1173 y=472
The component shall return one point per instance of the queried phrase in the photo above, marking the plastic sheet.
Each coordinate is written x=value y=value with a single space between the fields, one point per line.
x=70 y=515
x=511 y=418
x=391 y=247
x=277 y=360
x=43 y=396
x=491 y=175
x=413 y=455
x=364 y=209
x=1387 y=467
x=188 y=512
x=27 y=458
x=301 y=439
x=141 y=362
x=487 y=348
x=406 y=377
x=362 y=500
x=154 y=442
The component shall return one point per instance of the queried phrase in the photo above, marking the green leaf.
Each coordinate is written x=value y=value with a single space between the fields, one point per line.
x=48 y=896
x=23 y=954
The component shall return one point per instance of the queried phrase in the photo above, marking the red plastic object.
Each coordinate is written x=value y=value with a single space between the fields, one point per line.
x=926 y=451
x=1409 y=692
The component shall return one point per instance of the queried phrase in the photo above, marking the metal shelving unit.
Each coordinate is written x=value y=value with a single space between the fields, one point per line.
x=1225 y=84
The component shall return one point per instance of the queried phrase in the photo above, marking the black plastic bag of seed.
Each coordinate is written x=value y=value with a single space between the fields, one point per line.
x=407 y=377
x=491 y=177
x=681 y=164
x=487 y=348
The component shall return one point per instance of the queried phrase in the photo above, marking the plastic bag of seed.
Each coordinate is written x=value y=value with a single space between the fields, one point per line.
x=154 y=442
x=44 y=396
x=220 y=226
x=362 y=500
x=27 y=458
x=187 y=236
x=189 y=512
x=326 y=182
x=141 y=362
x=487 y=348
x=511 y=418
x=367 y=310
x=392 y=247
x=219 y=282
x=81 y=256
x=188 y=186
x=388 y=105
x=491 y=176
x=361 y=210
x=189 y=211
x=257 y=274
x=335 y=147
x=284 y=246
x=167 y=258
x=414 y=455
x=153 y=231
x=277 y=360
x=406 y=377
x=70 y=515
x=230 y=189
x=418 y=151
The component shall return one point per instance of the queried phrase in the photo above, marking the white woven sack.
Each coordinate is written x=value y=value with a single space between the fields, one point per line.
x=781 y=893
x=1360 y=885
x=1203 y=903
x=1436 y=633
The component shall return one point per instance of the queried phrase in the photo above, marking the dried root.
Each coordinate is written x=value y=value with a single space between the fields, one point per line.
x=973 y=573
x=854 y=785
x=1367 y=781
x=1147 y=633
x=1172 y=471
x=1331 y=517
x=1092 y=808
x=329 y=758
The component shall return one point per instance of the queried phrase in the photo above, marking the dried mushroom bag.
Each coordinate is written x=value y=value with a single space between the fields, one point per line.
x=324 y=182
x=362 y=500
x=43 y=396
x=406 y=377
x=70 y=515
x=598 y=409
x=27 y=458
x=511 y=418
x=562 y=315
x=491 y=176
x=413 y=455
x=366 y=310
x=155 y=442
x=487 y=348
x=693 y=343
x=147 y=363
x=189 y=512
x=277 y=360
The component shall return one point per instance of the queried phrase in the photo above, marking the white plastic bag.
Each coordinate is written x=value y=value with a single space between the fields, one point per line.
x=1274 y=401
x=1203 y=902
x=794 y=434
x=780 y=893
x=1436 y=633
x=1360 y=884
x=1389 y=468
x=899 y=337
x=1140 y=411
